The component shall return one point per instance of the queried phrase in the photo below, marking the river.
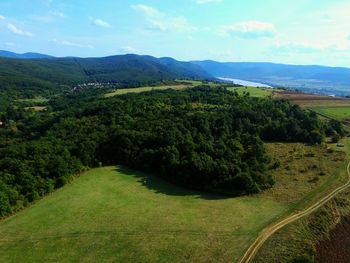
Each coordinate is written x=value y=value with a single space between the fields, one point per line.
x=245 y=82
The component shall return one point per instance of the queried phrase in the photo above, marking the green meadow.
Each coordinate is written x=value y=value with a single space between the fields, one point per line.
x=339 y=113
x=113 y=214
x=254 y=92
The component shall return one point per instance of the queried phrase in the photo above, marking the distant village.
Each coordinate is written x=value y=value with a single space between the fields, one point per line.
x=94 y=85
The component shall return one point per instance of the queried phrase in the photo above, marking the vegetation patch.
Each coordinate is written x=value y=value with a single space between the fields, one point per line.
x=298 y=241
x=252 y=91
x=339 y=113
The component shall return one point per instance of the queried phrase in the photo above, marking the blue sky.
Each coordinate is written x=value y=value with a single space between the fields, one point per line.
x=296 y=32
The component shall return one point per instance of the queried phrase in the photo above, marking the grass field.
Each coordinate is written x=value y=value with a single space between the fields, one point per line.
x=122 y=216
x=114 y=214
x=339 y=113
x=36 y=108
x=37 y=100
x=254 y=92
x=181 y=86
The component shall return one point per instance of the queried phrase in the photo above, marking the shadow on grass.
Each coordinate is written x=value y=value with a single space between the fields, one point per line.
x=161 y=186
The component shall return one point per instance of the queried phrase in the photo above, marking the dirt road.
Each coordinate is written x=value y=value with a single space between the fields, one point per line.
x=269 y=231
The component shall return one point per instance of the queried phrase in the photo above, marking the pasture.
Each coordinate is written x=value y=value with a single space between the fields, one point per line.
x=253 y=92
x=339 y=113
x=116 y=214
x=181 y=86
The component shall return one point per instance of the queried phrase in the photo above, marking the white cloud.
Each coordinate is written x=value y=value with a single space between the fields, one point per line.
x=2 y=17
x=18 y=31
x=51 y=16
x=129 y=49
x=327 y=30
x=249 y=30
x=160 y=21
x=57 y=13
x=308 y=48
x=101 y=23
x=72 y=44
x=295 y=47
x=147 y=10
x=208 y=1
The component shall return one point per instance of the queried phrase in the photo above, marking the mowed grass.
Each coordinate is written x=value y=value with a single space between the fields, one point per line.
x=254 y=92
x=113 y=214
x=118 y=215
x=36 y=108
x=145 y=89
x=181 y=86
x=339 y=113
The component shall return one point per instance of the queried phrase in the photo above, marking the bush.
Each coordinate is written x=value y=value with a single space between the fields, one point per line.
x=303 y=259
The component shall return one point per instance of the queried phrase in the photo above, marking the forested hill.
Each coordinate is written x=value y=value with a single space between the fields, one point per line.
x=125 y=69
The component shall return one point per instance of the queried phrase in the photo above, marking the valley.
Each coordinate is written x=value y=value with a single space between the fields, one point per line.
x=194 y=131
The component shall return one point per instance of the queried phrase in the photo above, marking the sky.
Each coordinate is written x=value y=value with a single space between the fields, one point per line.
x=292 y=32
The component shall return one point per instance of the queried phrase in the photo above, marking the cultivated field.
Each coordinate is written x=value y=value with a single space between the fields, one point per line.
x=333 y=107
x=115 y=214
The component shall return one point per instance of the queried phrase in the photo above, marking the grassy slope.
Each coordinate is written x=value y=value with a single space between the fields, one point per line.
x=127 y=217
x=254 y=92
x=123 y=216
x=144 y=89
x=339 y=113
x=182 y=85
x=300 y=238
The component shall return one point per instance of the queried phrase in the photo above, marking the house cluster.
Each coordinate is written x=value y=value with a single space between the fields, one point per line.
x=93 y=85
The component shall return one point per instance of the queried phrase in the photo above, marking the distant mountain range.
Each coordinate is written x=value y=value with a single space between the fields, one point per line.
x=133 y=69
x=29 y=55
x=318 y=79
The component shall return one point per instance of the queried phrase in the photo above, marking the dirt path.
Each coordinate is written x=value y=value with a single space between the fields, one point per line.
x=269 y=231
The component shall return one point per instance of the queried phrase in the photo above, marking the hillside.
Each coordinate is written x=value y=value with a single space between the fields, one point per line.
x=125 y=69
x=320 y=79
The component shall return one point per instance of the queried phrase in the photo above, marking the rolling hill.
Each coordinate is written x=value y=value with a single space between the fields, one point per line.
x=124 y=69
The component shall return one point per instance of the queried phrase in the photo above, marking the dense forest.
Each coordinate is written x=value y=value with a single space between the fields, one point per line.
x=202 y=138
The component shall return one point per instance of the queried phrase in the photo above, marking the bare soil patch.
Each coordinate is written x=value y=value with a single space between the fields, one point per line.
x=337 y=248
